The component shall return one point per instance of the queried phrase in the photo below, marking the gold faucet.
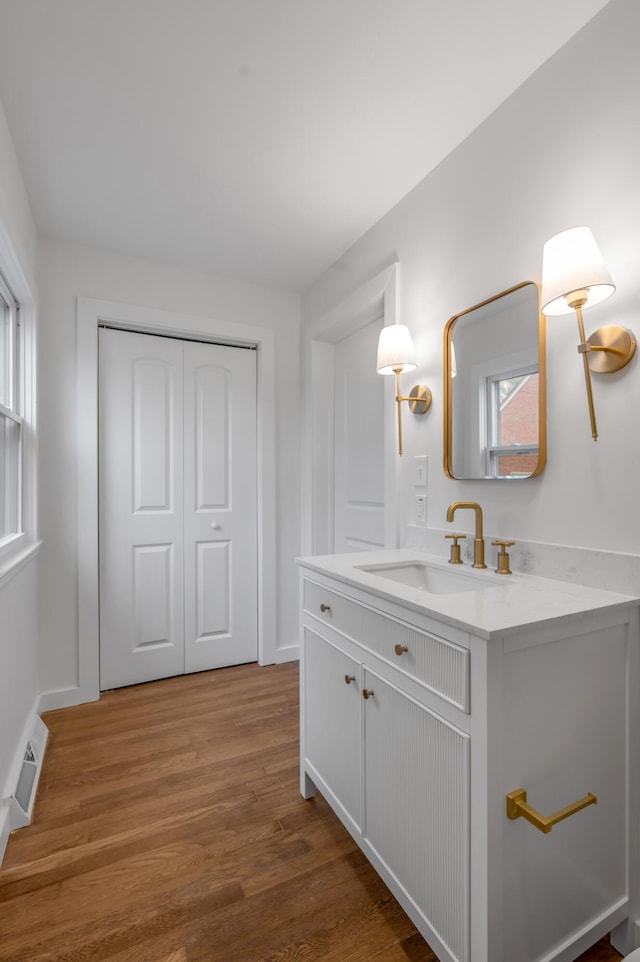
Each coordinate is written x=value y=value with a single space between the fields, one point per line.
x=478 y=544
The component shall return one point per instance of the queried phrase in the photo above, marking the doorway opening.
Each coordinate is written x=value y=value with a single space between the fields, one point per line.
x=91 y=313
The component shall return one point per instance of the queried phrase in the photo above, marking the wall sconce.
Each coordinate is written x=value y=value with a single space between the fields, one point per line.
x=395 y=356
x=574 y=276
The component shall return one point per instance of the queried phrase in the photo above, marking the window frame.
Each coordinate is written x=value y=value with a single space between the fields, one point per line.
x=17 y=550
x=12 y=412
x=493 y=450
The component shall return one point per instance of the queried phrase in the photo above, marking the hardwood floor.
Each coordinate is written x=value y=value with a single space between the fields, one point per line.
x=169 y=828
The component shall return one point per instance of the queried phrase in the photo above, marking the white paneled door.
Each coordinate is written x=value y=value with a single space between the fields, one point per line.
x=358 y=442
x=178 y=507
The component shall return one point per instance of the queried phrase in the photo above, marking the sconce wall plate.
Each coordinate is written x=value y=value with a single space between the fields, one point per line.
x=610 y=349
x=419 y=399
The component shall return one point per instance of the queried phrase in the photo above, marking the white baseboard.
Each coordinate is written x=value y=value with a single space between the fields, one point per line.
x=290 y=653
x=5 y=829
x=64 y=698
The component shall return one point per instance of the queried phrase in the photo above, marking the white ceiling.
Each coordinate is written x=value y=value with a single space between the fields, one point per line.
x=257 y=139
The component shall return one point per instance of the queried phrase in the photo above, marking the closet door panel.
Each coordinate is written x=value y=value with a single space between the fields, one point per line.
x=220 y=475
x=141 y=508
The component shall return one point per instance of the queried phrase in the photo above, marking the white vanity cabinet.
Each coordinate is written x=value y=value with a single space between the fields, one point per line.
x=386 y=740
x=415 y=730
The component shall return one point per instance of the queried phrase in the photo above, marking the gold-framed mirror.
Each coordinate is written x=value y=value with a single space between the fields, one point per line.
x=495 y=410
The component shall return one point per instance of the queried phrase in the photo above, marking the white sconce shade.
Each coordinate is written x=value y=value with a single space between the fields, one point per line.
x=395 y=350
x=395 y=356
x=454 y=366
x=572 y=262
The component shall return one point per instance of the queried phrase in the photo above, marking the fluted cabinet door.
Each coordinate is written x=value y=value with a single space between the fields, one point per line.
x=332 y=708
x=416 y=778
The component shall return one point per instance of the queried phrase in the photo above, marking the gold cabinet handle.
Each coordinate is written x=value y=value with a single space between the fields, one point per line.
x=400 y=649
x=517 y=807
x=324 y=607
x=367 y=693
x=348 y=679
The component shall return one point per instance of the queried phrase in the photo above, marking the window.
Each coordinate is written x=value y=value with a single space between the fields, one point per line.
x=10 y=418
x=512 y=423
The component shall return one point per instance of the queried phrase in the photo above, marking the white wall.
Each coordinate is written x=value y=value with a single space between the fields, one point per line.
x=18 y=596
x=67 y=272
x=562 y=150
x=15 y=212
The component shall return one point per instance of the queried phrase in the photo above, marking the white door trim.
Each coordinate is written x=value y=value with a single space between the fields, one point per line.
x=378 y=297
x=90 y=313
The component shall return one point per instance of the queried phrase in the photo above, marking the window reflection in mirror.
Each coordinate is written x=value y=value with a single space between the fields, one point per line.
x=495 y=410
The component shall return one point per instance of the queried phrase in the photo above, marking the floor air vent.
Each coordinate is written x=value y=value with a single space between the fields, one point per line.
x=27 y=772
x=26 y=780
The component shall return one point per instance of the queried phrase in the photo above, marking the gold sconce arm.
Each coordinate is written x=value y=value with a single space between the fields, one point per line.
x=419 y=402
x=517 y=807
x=609 y=349
x=577 y=306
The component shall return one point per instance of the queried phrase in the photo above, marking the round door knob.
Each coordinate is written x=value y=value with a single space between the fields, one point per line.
x=215 y=525
x=367 y=693
x=349 y=678
x=324 y=607
x=400 y=649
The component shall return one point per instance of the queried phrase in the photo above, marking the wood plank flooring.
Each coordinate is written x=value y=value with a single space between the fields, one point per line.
x=169 y=828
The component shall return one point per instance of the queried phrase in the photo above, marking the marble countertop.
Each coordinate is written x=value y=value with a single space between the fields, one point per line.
x=502 y=604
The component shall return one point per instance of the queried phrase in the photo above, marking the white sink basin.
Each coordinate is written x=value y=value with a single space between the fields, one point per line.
x=433 y=580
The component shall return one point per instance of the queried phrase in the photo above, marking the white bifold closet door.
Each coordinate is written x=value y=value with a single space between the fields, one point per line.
x=178 y=507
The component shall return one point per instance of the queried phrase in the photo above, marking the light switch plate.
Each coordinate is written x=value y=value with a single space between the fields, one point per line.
x=421 y=470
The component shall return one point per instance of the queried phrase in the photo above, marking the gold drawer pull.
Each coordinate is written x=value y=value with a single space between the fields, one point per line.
x=517 y=806
x=367 y=693
x=348 y=679
x=400 y=649
x=324 y=607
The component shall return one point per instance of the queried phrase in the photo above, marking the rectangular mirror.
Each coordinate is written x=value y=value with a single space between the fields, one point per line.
x=495 y=388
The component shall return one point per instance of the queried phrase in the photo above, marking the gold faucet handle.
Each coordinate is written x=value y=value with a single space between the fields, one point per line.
x=455 y=558
x=503 y=556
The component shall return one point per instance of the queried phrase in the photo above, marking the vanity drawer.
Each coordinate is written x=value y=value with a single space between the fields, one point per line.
x=439 y=665
x=329 y=606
